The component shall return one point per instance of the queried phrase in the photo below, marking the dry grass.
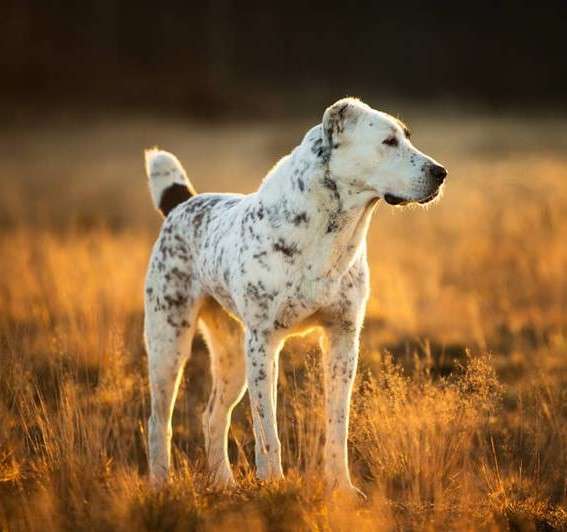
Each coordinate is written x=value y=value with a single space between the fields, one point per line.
x=459 y=417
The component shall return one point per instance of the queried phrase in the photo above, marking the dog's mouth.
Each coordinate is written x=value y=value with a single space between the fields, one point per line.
x=391 y=199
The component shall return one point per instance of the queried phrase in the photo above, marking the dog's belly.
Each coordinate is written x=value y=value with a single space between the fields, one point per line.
x=300 y=326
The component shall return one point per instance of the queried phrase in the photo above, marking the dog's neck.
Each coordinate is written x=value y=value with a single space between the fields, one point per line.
x=325 y=219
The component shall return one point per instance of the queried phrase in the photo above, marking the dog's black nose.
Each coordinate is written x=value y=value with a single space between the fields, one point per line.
x=438 y=173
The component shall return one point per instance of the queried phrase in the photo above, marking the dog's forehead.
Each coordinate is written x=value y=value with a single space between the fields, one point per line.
x=384 y=121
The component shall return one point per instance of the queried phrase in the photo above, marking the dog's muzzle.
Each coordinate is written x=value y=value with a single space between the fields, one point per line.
x=436 y=174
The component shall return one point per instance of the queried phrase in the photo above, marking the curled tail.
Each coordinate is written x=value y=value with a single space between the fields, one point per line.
x=169 y=184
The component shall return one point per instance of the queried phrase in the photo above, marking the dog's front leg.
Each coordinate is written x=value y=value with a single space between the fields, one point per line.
x=340 y=349
x=261 y=356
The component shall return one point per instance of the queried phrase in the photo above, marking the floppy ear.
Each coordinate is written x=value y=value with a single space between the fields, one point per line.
x=339 y=118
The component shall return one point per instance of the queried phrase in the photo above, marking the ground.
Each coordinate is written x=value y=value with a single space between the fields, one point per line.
x=459 y=415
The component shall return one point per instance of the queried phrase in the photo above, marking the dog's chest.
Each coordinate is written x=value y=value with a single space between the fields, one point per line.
x=277 y=288
x=303 y=298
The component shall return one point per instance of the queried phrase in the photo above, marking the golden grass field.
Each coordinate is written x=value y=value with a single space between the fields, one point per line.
x=459 y=418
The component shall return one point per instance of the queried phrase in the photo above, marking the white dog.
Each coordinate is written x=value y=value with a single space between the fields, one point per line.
x=251 y=270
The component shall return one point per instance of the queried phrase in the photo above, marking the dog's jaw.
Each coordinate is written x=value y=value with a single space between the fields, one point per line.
x=390 y=199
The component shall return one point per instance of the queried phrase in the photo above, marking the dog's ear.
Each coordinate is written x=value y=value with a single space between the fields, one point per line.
x=339 y=118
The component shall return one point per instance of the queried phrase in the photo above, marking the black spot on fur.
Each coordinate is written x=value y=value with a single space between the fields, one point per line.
x=332 y=226
x=301 y=217
x=198 y=219
x=330 y=183
x=289 y=250
x=172 y=196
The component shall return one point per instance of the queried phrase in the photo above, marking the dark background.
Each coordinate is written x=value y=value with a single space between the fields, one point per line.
x=236 y=58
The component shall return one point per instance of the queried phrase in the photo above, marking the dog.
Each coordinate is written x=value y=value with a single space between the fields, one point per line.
x=251 y=270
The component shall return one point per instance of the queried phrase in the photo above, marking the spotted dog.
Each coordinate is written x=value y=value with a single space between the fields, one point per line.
x=251 y=270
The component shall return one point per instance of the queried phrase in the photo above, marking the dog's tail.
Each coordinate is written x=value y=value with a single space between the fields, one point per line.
x=169 y=184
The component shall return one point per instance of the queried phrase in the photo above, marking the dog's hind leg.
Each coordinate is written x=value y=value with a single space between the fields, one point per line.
x=225 y=340
x=170 y=323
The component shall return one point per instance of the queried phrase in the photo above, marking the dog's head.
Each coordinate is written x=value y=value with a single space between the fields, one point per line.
x=372 y=151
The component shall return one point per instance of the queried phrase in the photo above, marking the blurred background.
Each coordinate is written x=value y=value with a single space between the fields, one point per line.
x=210 y=59
x=442 y=437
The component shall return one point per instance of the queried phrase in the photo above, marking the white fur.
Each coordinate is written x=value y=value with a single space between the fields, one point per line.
x=253 y=270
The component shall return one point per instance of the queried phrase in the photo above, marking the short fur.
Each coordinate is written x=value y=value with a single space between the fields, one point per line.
x=251 y=270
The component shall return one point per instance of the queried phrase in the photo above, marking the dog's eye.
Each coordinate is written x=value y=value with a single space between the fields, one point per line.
x=390 y=141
